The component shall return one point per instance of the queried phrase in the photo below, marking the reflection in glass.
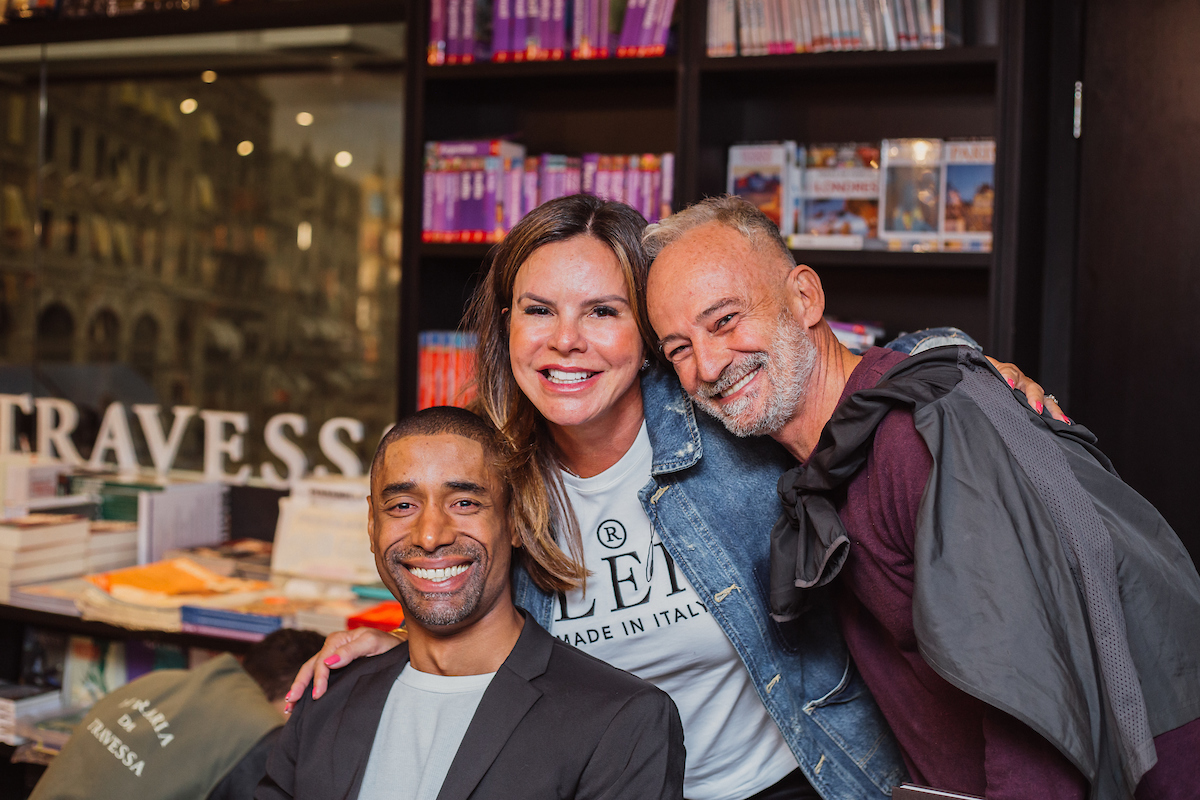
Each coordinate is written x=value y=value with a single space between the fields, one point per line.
x=213 y=241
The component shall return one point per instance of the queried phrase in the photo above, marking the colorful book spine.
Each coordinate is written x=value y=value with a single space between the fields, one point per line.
x=436 y=51
x=502 y=45
x=589 y=168
x=446 y=368
x=520 y=29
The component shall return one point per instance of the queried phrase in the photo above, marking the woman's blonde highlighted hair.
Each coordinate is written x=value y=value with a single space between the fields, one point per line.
x=539 y=509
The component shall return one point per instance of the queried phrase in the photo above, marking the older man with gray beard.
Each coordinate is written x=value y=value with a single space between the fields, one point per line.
x=976 y=543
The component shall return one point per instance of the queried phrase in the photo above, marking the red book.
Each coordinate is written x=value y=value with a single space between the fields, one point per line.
x=387 y=616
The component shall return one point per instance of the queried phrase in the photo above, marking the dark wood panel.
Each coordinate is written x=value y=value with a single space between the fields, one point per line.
x=629 y=113
x=854 y=107
x=446 y=285
x=1133 y=377
x=910 y=61
x=538 y=70
x=901 y=300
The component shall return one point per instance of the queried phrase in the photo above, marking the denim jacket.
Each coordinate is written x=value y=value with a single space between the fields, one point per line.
x=712 y=501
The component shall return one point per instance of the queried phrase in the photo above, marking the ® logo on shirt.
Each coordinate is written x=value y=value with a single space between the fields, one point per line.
x=611 y=534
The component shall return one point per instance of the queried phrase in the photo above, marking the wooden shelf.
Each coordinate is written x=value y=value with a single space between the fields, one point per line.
x=76 y=625
x=208 y=19
x=456 y=250
x=855 y=60
x=893 y=259
x=822 y=258
x=555 y=69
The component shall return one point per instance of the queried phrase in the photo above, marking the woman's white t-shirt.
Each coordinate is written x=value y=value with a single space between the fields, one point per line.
x=641 y=614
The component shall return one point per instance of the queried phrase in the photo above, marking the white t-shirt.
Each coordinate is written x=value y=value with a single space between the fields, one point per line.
x=423 y=723
x=641 y=614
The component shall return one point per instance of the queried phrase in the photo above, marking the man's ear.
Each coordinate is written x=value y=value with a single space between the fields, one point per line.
x=371 y=522
x=805 y=295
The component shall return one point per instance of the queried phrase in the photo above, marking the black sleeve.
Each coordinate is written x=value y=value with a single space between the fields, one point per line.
x=239 y=783
x=640 y=756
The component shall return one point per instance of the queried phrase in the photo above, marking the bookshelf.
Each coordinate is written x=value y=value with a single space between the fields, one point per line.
x=206 y=19
x=698 y=106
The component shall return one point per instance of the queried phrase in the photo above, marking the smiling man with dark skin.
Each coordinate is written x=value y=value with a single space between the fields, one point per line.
x=480 y=702
x=986 y=556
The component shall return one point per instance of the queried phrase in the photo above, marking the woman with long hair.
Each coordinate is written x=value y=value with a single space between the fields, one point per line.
x=651 y=548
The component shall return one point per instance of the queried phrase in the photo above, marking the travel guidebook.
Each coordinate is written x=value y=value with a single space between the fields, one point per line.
x=841 y=197
x=910 y=194
x=762 y=174
x=968 y=194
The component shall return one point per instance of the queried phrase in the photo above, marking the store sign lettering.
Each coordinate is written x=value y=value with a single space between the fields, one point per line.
x=224 y=438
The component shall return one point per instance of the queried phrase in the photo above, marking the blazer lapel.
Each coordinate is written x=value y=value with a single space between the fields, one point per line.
x=359 y=719
x=507 y=699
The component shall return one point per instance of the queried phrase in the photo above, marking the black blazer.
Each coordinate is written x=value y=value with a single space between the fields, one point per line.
x=554 y=723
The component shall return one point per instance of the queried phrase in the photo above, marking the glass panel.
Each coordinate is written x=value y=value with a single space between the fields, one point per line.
x=215 y=225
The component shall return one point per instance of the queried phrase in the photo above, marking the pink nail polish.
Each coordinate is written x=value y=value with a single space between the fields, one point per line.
x=329 y=662
x=1068 y=419
x=1011 y=383
x=1039 y=407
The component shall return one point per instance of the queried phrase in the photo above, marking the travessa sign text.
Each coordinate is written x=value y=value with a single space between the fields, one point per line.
x=224 y=438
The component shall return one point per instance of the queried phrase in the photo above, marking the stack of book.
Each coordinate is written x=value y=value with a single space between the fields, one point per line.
x=445 y=369
x=241 y=558
x=112 y=544
x=901 y=194
x=19 y=702
x=322 y=531
x=247 y=621
x=50 y=733
x=29 y=483
x=328 y=616
x=477 y=190
x=465 y=31
x=774 y=27
x=150 y=596
x=169 y=513
x=41 y=547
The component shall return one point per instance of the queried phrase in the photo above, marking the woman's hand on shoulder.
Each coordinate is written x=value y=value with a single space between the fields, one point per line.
x=1035 y=395
x=339 y=650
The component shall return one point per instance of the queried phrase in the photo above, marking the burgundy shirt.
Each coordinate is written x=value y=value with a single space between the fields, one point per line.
x=949 y=739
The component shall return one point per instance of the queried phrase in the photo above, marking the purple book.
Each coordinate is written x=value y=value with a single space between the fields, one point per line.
x=439 y=202
x=603 y=34
x=631 y=27
x=633 y=182
x=581 y=31
x=453 y=31
x=502 y=45
x=667 y=199
x=589 y=167
x=573 y=176
x=427 y=201
x=647 y=28
x=514 y=180
x=467 y=27
x=558 y=30
x=436 y=53
x=519 y=31
x=529 y=188
x=472 y=148
x=543 y=30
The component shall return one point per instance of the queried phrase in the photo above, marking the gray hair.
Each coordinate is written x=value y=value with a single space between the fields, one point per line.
x=729 y=210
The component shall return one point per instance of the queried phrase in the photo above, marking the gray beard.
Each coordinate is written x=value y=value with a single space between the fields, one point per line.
x=787 y=368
